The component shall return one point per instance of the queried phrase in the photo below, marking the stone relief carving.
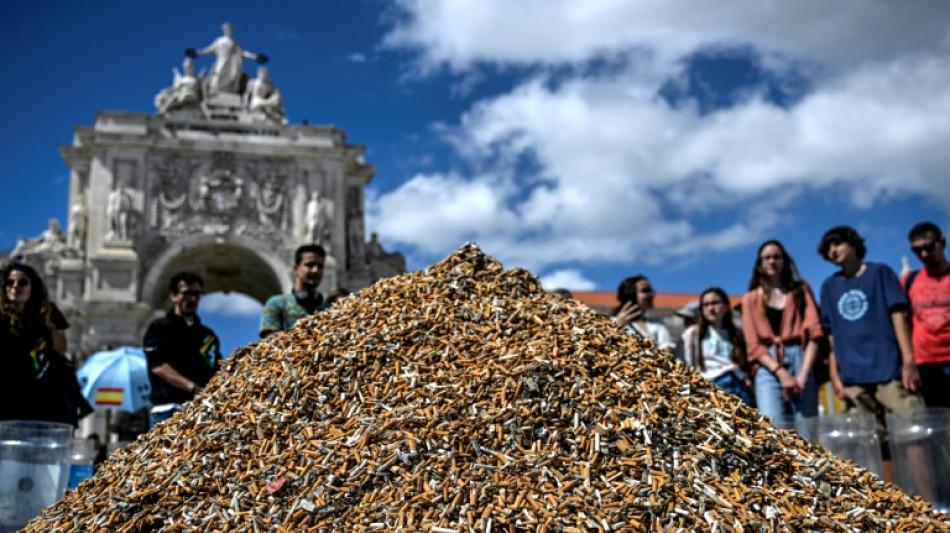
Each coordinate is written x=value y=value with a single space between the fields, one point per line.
x=173 y=174
x=270 y=200
x=218 y=196
x=220 y=193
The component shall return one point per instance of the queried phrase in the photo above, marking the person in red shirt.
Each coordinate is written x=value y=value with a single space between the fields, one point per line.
x=929 y=293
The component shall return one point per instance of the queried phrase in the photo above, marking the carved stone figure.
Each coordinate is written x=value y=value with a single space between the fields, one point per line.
x=52 y=240
x=79 y=216
x=184 y=92
x=319 y=218
x=119 y=211
x=263 y=100
x=228 y=72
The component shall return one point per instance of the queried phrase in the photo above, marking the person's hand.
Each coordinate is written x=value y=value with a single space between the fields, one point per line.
x=789 y=386
x=839 y=388
x=911 y=377
x=628 y=313
x=802 y=381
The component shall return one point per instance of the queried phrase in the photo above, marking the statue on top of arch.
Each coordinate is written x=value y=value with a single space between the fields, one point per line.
x=228 y=86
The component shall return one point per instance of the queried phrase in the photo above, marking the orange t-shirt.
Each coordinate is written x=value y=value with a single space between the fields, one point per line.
x=930 y=317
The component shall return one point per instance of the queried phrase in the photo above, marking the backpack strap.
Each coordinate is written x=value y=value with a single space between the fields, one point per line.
x=908 y=282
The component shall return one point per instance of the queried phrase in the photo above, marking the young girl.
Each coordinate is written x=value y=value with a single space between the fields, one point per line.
x=781 y=324
x=715 y=348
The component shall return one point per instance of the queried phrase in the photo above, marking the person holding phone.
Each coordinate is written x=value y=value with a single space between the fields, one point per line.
x=635 y=295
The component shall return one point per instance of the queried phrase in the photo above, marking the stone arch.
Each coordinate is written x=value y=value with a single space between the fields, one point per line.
x=227 y=263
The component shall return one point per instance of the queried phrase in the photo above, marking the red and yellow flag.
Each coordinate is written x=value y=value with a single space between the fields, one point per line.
x=109 y=396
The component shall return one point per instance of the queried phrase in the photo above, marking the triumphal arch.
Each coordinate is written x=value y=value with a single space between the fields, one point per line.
x=215 y=181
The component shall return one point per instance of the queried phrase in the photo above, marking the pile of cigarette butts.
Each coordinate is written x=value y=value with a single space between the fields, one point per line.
x=464 y=398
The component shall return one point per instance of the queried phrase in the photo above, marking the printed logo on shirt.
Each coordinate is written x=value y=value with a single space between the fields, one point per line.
x=36 y=354
x=205 y=350
x=853 y=305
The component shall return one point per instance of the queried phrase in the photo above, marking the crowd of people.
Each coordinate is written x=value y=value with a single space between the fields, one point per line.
x=884 y=341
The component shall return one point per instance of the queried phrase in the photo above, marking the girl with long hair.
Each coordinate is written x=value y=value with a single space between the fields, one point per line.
x=715 y=347
x=780 y=322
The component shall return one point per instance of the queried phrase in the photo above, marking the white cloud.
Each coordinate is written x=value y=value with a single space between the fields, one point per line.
x=463 y=33
x=230 y=304
x=357 y=57
x=569 y=278
x=634 y=172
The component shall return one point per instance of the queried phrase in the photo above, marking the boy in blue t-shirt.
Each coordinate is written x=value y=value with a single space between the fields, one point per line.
x=862 y=310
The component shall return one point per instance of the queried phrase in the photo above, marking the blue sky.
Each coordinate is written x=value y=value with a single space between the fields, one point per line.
x=586 y=141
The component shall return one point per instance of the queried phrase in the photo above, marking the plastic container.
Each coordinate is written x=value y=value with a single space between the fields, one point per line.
x=919 y=440
x=81 y=461
x=34 y=466
x=852 y=436
x=807 y=427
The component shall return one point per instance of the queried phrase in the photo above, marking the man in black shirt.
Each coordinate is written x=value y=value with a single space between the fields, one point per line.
x=182 y=353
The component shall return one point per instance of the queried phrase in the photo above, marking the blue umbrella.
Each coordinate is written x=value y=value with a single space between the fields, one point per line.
x=116 y=379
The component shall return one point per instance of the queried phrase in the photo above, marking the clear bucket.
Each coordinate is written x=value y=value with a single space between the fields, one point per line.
x=852 y=436
x=81 y=462
x=34 y=468
x=919 y=440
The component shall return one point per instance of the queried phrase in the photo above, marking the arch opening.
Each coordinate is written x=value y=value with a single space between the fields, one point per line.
x=225 y=267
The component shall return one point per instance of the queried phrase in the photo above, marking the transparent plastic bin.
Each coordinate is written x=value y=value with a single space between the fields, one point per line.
x=807 y=427
x=919 y=441
x=82 y=461
x=852 y=436
x=34 y=467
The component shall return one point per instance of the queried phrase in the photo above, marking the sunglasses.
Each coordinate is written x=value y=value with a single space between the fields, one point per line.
x=20 y=282
x=929 y=248
x=193 y=294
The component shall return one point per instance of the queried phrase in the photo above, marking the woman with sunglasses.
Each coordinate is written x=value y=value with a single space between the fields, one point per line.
x=715 y=347
x=781 y=325
x=32 y=386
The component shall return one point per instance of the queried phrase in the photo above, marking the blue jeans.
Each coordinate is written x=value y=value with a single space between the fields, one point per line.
x=768 y=391
x=733 y=384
